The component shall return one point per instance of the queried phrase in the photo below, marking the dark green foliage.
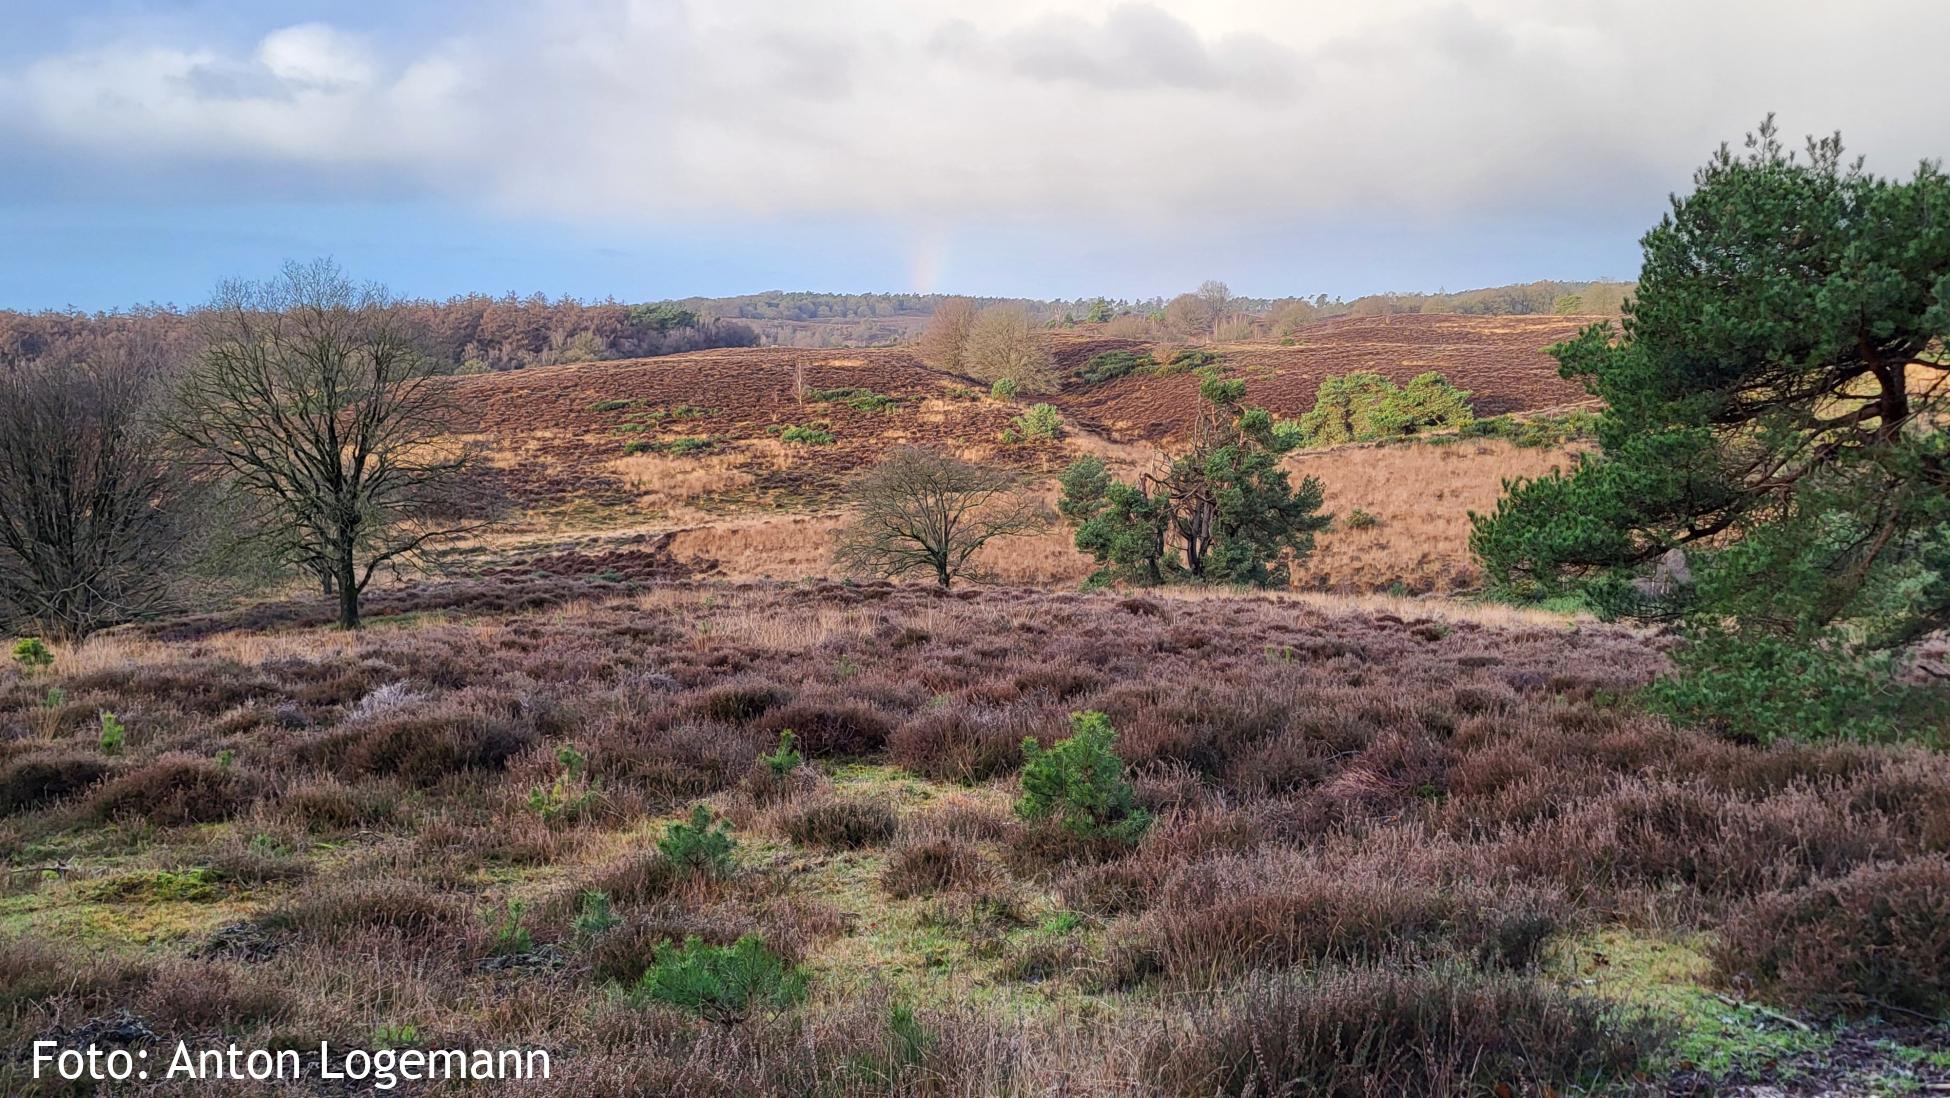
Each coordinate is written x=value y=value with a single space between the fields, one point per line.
x=1188 y=360
x=1760 y=687
x=703 y=845
x=1763 y=410
x=723 y=984
x=1079 y=783
x=807 y=434
x=1122 y=526
x=113 y=733
x=1112 y=365
x=864 y=400
x=1364 y=407
x=611 y=405
x=1537 y=432
x=1223 y=512
x=662 y=317
x=1358 y=519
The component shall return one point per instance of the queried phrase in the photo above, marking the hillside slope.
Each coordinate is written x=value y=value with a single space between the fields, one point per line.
x=742 y=452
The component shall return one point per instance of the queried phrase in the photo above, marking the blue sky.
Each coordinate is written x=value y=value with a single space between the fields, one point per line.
x=651 y=148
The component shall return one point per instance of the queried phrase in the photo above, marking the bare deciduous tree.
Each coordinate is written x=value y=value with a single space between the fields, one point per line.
x=88 y=519
x=1190 y=315
x=314 y=397
x=944 y=342
x=1217 y=295
x=1005 y=344
x=929 y=512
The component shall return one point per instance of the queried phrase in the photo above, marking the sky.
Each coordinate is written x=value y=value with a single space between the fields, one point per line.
x=649 y=149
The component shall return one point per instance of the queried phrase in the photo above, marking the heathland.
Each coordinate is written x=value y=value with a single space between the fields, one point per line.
x=639 y=776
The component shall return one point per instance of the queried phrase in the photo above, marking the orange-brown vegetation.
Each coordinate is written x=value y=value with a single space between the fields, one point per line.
x=599 y=447
x=1500 y=360
x=1418 y=497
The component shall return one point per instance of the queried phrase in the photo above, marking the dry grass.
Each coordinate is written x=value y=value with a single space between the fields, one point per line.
x=1420 y=496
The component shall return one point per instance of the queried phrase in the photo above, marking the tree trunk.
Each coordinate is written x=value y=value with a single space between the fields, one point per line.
x=348 y=593
x=941 y=573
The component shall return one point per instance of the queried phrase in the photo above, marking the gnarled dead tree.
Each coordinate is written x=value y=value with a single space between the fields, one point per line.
x=313 y=397
x=929 y=512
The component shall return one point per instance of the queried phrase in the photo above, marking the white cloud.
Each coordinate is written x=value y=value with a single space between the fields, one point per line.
x=1155 y=117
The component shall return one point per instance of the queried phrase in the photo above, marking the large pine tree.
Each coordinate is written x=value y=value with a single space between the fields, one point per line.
x=1774 y=407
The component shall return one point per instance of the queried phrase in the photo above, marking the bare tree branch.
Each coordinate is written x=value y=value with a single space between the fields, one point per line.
x=928 y=512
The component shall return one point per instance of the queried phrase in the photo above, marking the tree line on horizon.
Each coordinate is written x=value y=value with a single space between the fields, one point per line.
x=482 y=333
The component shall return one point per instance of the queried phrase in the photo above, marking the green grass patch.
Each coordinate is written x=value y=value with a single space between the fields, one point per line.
x=1714 y=1035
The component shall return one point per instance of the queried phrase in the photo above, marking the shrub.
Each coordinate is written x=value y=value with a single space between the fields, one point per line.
x=784 y=760
x=424 y=748
x=702 y=846
x=594 y=915
x=112 y=734
x=1363 y=406
x=1003 y=389
x=862 y=400
x=40 y=780
x=720 y=983
x=1080 y=783
x=1424 y=1033
x=1041 y=421
x=611 y=405
x=642 y=878
x=346 y=910
x=839 y=824
x=1875 y=940
x=1112 y=365
x=506 y=934
x=32 y=654
x=741 y=701
x=1760 y=687
x=571 y=794
x=1189 y=359
x=1228 y=913
x=958 y=743
x=174 y=790
x=830 y=726
x=1358 y=519
x=933 y=865
x=807 y=434
x=328 y=804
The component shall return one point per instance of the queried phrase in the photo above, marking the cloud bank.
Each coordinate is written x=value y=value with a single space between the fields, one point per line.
x=1153 y=117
